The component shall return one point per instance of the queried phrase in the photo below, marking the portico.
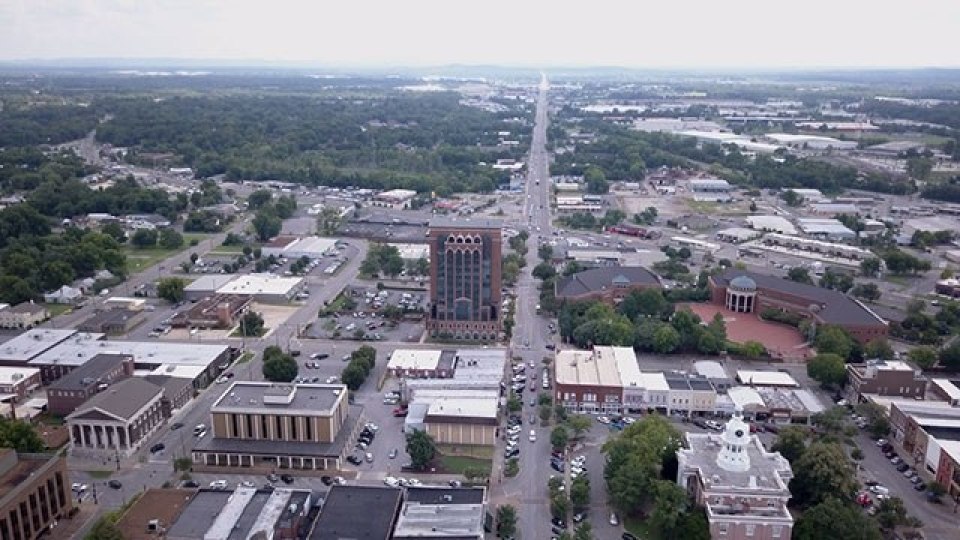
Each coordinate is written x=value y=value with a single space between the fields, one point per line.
x=118 y=419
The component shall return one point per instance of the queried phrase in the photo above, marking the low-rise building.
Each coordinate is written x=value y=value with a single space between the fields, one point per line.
x=714 y=372
x=885 y=378
x=18 y=382
x=25 y=315
x=264 y=427
x=35 y=492
x=217 y=311
x=421 y=363
x=117 y=420
x=294 y=247
x=463 y=421
x=711 y=189
x=592 y=381
x=246 y=512
x=946 y=389
x=691 y=394
x=264 y=287
x=394 y=198
x=441 y=512
x=76 y=387
x=609 y=284
x=368 y=512
x=930 y=434
x=117 y=321
x=64 y=295
x=743 y=487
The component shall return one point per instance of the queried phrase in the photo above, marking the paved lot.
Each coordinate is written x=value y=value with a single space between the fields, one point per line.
x=781 y=340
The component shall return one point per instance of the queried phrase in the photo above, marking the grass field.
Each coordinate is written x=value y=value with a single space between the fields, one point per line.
x=58 y=309
x=139 y=259
x=227 y=250
x=458 y=464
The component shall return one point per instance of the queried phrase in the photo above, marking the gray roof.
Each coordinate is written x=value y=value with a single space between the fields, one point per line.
x=122 y=399
x=354 y=512
x=27 y=307
x=94 y=369
x=280 y=398
x=197 y=518
x=447 y=222
x=743 y=283
x=835 y=307
x=171 y=385
x=600 y=279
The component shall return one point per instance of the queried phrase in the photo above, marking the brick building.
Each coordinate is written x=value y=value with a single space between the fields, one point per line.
x=35 y=492
x=76 y=387
x=609 y=284
x=465 y=279
x=749 y=292
x=884 y=378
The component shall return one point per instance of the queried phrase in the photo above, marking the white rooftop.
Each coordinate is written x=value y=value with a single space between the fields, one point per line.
x=414 y=359
x=598 y=367
x=413 y=251
x=464 y=407
x=227 y=518
x=311 y=244
x=766 y=378
x=77 y=350
x=654 y=380
x=209 y=282
x=710 y=369
x=744 y=397
x=771 y=223
x=397 y=194
x=253 y=284
x=32 y=343
x=947 y=387
x=13 y=375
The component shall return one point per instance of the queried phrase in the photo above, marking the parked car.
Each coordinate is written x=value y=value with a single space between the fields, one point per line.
x=286 y=478
x=115 y=484
x=157 y=448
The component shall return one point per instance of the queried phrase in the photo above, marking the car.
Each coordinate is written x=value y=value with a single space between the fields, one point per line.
x=319 y=356
x=218 y=484
x=896 y=460
x=354 y=460
x=533 y=436
x=910 y=473
x=513 y=452
x=880 y=490
x=556 y=530
x=157 y=448
x=286 y=478
x=557 y=466
x=390 y=481
x=916 y=480
x=603 y=420
x=273 y=477
x=871 y=483
x=533 y=402
x=628 y=536
x=326 y=480
x=369 y=457
x=78 y=487
x=577 y=518
x=191 y=484
x=247 y=484
x=393 y=454
x=902 y=467
x=533 y=419
x=921 y=486
x=115 y=484
x=175 y=426
x=881 y=442
x=614 y=520
x=557 y=522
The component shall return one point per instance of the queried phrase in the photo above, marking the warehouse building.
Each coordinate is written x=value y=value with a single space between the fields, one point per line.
x=267 y=288
x=293 y=247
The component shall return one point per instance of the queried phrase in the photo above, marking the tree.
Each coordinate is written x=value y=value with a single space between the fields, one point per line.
x=514 y=405
x=924 y=356
x=665 y=339
x=800 y=275
x=251 y=324
x=827 y=369
x=791 y=197
x=20 y=435
x=838 y=281
x=791 y=442
x=596 y=181
x=891 y=513
x=544 y=271
x=170 y=239
x=105 y=528
x=266 y=225
x=580 y=493
x=634 y=461
x=115 y=231
x=878 y=348
x=259 y=198
x=571 y=268
x=579 y=424
x=919 y=167
x=868 y=291
x=870 y=267
x=545 y=413
x=878 y=424
x=144 y=238
x=353 y=376
x=833 y=518
x=421 y=448
x=583 y=531
x=545 y=252
x=670 y=505
x=833 y=339
x=506 y=521
x=823 y=471
x=279 y=368
x=559 y=437
x=171 y=289
x=559 y=506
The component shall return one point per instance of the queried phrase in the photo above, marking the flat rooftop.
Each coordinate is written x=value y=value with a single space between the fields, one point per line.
x=230 y=514
x=209 y=282
x=160 y=504
x=769 y=471
x=82 y=347
x=283 y=398
x=254 y=284
x=30 y=344
x=415 y=359
x=200 y=514
x=463 y=410
x=441 y=513
x=355 y=512
x=766 y=378
x=14 y=375
x=464 y=223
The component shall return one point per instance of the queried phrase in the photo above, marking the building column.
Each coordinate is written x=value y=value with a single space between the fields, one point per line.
x=129 y=430
x=83 y=435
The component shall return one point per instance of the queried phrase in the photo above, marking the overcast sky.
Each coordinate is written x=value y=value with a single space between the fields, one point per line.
x=632 y=33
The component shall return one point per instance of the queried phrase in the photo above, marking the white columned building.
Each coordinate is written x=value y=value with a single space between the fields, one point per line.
x=116 y=420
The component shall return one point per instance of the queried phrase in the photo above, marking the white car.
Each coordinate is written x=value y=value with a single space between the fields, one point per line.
x=614 y=520
x=533 y=436
x=390 y=481
x=247 y=484
x=218 y=484
x=603 y=420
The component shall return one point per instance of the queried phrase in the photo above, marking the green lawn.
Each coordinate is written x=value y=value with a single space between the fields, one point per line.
x=139 y=259
x=227 y=250
x=100 y=475
x=58 y=309
x=245 y=357
x=457 y=464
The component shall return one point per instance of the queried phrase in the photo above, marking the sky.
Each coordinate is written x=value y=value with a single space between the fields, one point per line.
x=760 y=34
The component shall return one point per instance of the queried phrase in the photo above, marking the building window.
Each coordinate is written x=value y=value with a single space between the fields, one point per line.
x=776 y=531
x=751 y=528
x=722 y=528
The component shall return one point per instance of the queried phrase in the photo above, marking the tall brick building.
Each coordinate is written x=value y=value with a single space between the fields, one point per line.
x=465 y=279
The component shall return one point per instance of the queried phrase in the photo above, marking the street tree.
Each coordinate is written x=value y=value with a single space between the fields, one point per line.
x=259 y=198
x=171 y=289
x=560 y=506
x=870 y=267
x=20 y=435
x=800 y=275
x=833 y=518
x=545 y=252
x=170 y=239
x=579 y=424
x=280 y=368
x=823 y=471
x=924 y=356
x=634 y=461
x=421 y=448
x=251 y=324
x=583 y=531
x=506 y=521
x=878 y=348
x=868 y=291
x=833 y=339
x=671 y=504
x=559 y=437
x=144 y=238
x=353 y=376
x=827 y=369
x=791 y=442
x=580 y=493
